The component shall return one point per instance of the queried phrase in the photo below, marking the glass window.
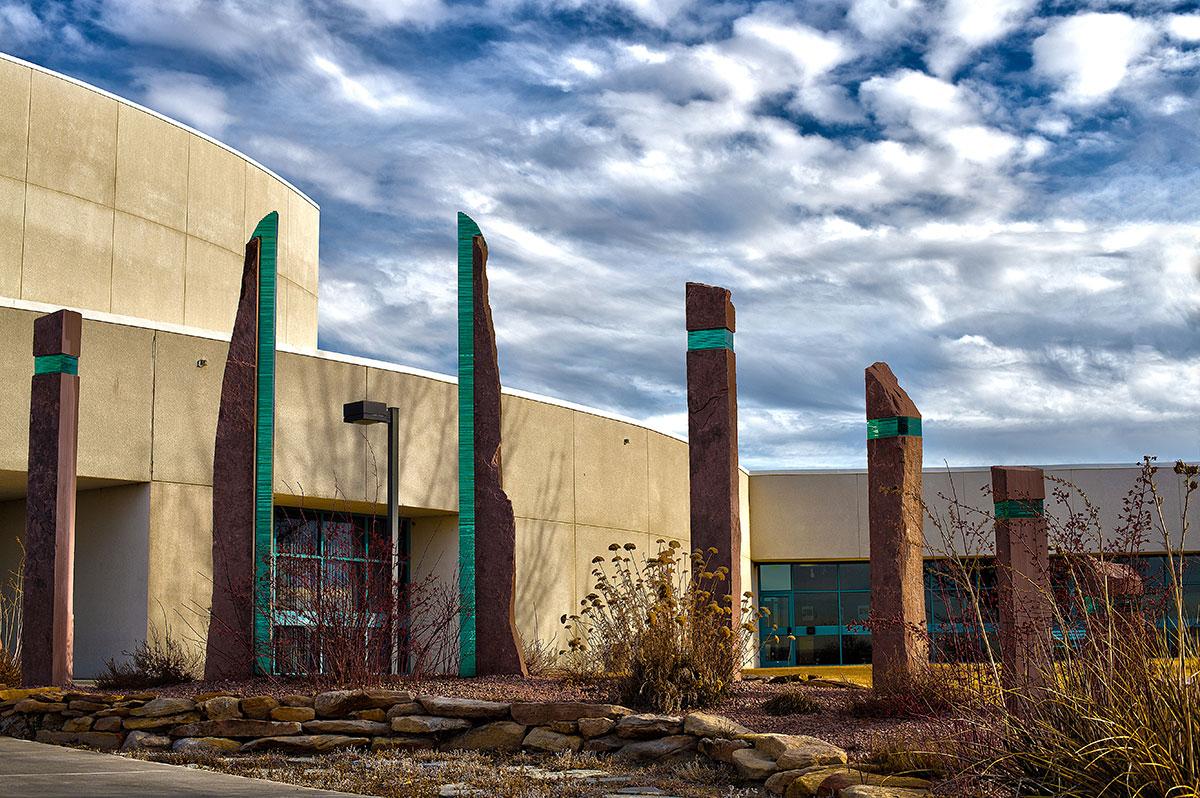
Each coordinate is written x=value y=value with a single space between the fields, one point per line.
x=856 y=649
x=818 y=650
x=855 y=576
x=816 y=609
x=814 y=576
x=856 y=610
x=776 y=576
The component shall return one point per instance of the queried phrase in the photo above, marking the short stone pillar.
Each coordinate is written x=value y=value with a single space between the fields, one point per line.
x=47 y=629
x=1111 y=591
x=1022 y=576
x=712 y=433
x=899 y=645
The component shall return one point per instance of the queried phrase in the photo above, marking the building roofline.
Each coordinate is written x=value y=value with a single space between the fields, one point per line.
x=105 y=93
x=785 y=472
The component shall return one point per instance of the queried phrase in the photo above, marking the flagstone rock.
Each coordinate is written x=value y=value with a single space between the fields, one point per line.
x=722 y=749
x=403 y=743
x=703 y=724
x=161 y=722
x=107 y=725
x=594 y=727
x=501 y=735
x=607 y=744
x=662 y=749
x=464 y=707
x=258 y=707
x=794 y=751
x=144 y=739
x=298 y=714
x=339 y=703
x=81 y=705
x=808 y=783
x=865 y=791
x=32 y=706
x=222 y=707
x=213 y=744
x=306 y=743
x=383 y=699
x=637 y=727
x=428 y=724
x=543 y=739
x=296 y=700
x=353 y=727
x=78 y=724
x=161 y=707
x=779 y=782
x=852 y=778
x=236 y=727
x=542 y=713
x=369 y=714
x=400 y=710
x=753 y=764
x=102 y=740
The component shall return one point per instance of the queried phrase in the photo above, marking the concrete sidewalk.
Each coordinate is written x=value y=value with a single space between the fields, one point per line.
x=34 y=770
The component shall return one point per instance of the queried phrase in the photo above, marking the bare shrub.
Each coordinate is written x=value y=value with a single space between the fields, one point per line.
x=160 y=660
x=11 y=597
x=791 y=702
x=661 y=627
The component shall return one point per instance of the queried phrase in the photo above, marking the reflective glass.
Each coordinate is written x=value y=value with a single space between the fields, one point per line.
x=777 y=576
x=814 y=576
x=855 y=576
x=816 y=609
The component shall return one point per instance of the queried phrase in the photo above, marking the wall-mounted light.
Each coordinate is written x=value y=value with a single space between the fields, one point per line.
x=201 y=363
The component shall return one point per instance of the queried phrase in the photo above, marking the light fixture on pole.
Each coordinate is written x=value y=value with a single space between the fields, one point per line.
x=367 y=412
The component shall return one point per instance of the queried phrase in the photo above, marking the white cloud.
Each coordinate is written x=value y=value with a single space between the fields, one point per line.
x=1184 y=26
x=190 y=98
x=19 y=25
x=968 y=25
x=884 y=19
x=374 y=92
x=1089 y=55
x=396 y=12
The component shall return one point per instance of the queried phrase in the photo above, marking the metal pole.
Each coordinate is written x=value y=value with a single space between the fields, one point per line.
x=393 y=516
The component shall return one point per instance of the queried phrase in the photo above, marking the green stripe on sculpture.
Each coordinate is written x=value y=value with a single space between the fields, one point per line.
x=1020 y=508
x=893 y=427
x=467 y=230
x=56 y=364
x=267 y=232
x=710 y=339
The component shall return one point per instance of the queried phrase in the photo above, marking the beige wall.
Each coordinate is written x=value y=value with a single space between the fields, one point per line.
x=823 y=515
x=105 y=206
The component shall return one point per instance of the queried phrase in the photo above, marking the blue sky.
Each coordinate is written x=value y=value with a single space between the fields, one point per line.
x=999 y=199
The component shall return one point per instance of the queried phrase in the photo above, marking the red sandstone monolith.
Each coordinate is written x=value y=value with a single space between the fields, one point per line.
x=47 y=629
x=1022 y=576
x=497 y=642
x=229 y=651
x=713 y=434
x=899 y=644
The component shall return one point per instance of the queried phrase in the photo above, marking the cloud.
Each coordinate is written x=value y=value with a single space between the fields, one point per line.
x=967 y=25
x=1089 y=55
x=190 y=98
x=1185 y=27
x=19 y=25
x=398 y=12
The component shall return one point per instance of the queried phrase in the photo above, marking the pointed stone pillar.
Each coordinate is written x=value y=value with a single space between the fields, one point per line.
x=490 y=643
x=899 y=646
x=47 y=631
x=712 y=432
x=1022 y=575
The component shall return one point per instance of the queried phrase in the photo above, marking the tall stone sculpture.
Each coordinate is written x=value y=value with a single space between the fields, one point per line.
x=712 y=431
x=899 y=646
x=243 y=472
x=487 y=536
x=47 y=631
x=1022 y=575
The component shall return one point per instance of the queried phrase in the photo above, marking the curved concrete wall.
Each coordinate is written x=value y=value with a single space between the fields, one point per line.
x=107 y=206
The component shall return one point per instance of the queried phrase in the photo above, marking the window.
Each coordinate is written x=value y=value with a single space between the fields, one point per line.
x=331 y=579
x=817 y=612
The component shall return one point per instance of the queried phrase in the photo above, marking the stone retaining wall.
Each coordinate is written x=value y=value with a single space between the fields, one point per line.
x=384 y=720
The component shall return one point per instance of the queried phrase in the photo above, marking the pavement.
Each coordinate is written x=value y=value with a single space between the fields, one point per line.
x=34 y=770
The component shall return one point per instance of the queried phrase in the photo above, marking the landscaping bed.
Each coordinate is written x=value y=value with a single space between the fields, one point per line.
x=401 y=728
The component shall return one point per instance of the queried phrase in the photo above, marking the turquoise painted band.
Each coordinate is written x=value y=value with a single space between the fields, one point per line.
x=267 y=232
x=467 y=230
x=893 y=427
x=1020 y=508
x=56 y=364
x=719 y=338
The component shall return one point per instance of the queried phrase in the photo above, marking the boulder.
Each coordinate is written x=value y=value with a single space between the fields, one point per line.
x=113 y=712
x=353 y=727
x=143 y=739
x=107 y=725
x=805 y=752
x=702 y=724
x=607 y=744
x=382 y=699
x=563 y=727
x=370 y=714
x=339 y=703
x=403 y=743
x=594 y=727
x=83 y=705
x=807 y=783
x=722 y=749
x=752 y=763
x=428 y=724
x=399 y=710
x=213 y=744
x=78 y=724
x=161 y=722
x=31 y=706
x=641 y=727
x=102 y=740
x=306 y=743
x=543 y=739
x=675 y=746
x=546 y=712
x=297 y=714
x=779 y=783
x=501 y=735
x=296 y=700
x=258 y=707
x=464 y=708
x=201 y=698
x=236 y=727
x=162 y=707
x=222 y=708
x=856 y=778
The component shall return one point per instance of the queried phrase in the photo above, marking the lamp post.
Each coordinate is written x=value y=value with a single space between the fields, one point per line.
x=367 y=412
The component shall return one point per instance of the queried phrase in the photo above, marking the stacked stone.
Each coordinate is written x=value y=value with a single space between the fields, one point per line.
x=385 y=720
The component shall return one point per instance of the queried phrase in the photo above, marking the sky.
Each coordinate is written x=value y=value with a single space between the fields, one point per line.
x=999 y=199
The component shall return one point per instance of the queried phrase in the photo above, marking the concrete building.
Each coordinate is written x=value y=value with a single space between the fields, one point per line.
x=139 y=223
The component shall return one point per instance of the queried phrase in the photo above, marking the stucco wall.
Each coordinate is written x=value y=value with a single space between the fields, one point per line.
x=107 y=206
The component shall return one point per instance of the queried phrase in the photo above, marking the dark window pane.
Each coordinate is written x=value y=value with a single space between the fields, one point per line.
x=344 y=537
x=856 y=609
x=296 y=586
x=779 y=616
x=295 y=651
x=379 y=589
x=855 y=576
x=775 y=577
x=296 y=534
x=817 y=576
x=816 y=609
x=818 y=650
x=856 y=649
x=344 y=587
